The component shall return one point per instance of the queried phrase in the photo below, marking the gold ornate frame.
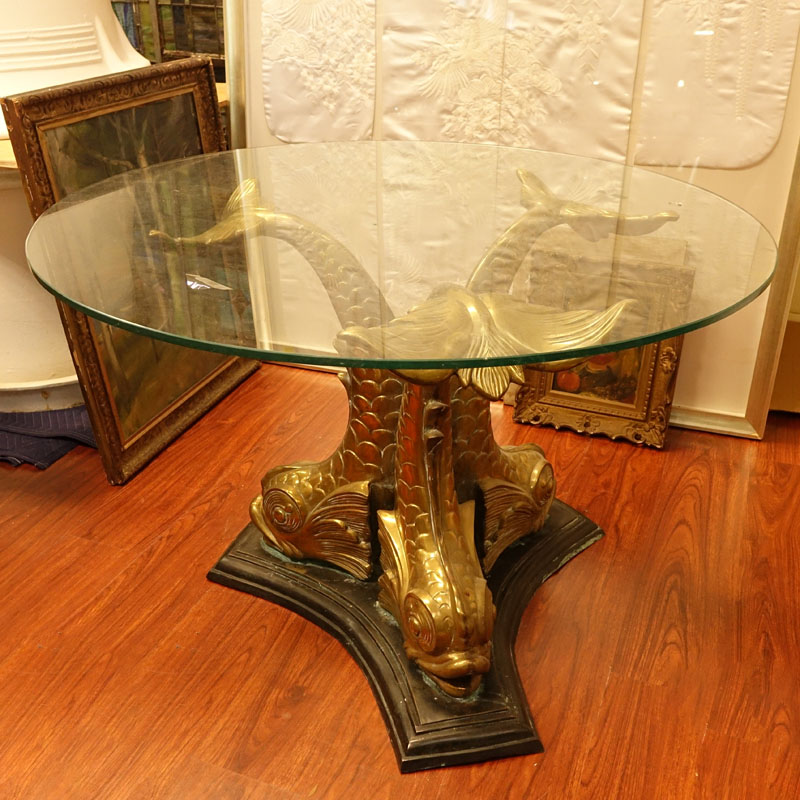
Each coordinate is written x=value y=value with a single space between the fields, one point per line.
x=34 y=119
x=642 y=419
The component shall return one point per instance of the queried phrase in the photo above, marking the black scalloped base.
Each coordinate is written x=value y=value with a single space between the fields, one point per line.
x=427 y=728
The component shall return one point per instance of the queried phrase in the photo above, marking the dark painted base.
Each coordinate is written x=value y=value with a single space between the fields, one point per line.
x=427 y=728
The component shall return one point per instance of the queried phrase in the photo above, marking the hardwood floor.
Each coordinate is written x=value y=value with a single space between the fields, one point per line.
x=663 y=662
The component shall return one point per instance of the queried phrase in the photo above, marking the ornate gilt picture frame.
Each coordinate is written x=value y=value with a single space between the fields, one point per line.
x=627 y=394
x=140 y=393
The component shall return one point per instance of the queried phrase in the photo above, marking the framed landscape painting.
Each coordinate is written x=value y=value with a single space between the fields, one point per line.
x=140 y=393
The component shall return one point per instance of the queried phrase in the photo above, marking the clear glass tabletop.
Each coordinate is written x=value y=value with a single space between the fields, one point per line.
x=401 y=254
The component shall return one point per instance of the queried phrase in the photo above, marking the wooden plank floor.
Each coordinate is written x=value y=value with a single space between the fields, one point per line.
x=664 y=662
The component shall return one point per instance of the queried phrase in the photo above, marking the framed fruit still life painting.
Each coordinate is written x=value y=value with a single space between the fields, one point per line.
x=625 y=394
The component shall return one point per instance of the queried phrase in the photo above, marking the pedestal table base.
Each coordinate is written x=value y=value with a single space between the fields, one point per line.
x=427 y=727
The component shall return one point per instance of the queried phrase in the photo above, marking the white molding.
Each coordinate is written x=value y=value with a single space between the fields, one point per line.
x=235 y=76
x=41 y=395
x=713 y=422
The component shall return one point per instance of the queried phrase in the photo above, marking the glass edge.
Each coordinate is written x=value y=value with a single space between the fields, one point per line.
x=335 y=360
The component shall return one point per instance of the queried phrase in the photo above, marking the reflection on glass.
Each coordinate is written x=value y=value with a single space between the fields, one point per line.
x=330 y=251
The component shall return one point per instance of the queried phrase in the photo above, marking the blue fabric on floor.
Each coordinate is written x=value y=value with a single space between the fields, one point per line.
x=42 y=437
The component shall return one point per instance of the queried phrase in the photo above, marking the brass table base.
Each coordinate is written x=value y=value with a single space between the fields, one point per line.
x=427 y=728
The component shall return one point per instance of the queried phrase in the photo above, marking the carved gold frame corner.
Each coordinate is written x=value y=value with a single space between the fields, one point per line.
x=644 y=421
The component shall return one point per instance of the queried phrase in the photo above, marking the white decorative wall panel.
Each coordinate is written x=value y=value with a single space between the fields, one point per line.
x=515 y=72
x=716 y=81
x=711 y=91
x=555 y=76
x=318 y=68
x=551 y=75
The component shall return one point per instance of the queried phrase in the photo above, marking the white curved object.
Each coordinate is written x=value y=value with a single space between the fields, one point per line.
x=43 y=43
x=48 y=42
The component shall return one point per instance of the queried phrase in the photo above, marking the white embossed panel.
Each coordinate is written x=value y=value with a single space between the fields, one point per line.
x=555 y=76
x=716 y=81
x=318 y=68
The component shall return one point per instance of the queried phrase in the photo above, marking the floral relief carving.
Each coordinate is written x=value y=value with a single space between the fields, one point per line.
x=586 y=23
x=504 y=71
x=490 y=80
x=328 y=49
x=526 y=82
x=465 y=49
x=588 y=423
x=668 y=359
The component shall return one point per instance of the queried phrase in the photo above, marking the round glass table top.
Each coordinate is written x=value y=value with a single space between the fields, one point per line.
x=401 y=254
